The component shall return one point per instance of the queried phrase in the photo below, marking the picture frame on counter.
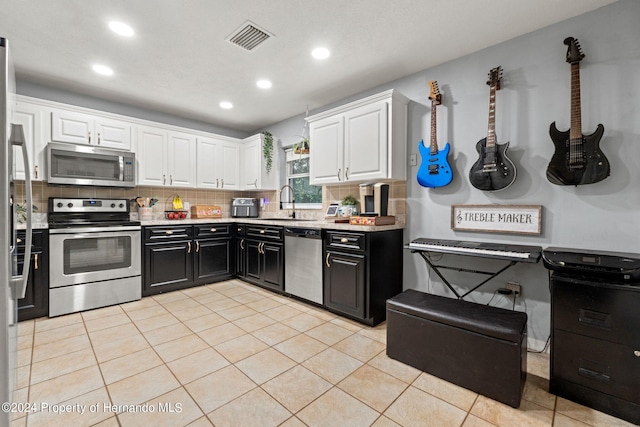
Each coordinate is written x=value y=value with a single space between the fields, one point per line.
x=494 y=218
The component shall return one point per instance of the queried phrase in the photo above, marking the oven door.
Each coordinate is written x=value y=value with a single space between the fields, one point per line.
x=86 y=255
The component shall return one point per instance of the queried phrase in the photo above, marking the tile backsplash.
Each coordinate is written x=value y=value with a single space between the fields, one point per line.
x=330 y=194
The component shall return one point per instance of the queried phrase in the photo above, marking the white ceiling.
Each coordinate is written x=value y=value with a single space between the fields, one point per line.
x=179 y=62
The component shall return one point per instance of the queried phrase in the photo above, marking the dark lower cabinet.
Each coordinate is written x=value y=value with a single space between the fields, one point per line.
x=178 y=257
x=345 y=282
x=595 y=344
x=241 y=254
x=362 y=271
x=263 y=251
x=36 y=301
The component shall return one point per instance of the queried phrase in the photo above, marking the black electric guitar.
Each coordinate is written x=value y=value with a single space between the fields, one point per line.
x=578 y=159
x=493 y=170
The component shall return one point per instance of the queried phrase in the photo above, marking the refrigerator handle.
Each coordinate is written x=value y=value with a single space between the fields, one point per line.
x=19 y=283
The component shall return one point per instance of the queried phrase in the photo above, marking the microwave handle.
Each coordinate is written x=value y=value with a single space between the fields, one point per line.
x=121 y=161
x=19 y=283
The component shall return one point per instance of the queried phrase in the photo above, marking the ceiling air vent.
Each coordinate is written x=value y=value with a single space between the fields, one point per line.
x=248 y=36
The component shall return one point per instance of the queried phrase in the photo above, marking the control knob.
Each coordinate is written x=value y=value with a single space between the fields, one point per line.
x=69 y=205
x=59 y=204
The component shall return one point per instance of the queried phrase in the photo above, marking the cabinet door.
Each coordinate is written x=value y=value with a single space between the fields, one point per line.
x=241 y=255
x=212 y=259
x=254 y=260
x=365 y=143
x=36 y=300
x=344 y=283
x=113 y=134
x=326 y=157
x=208 y=163
x=273 y=266
x=181 y=160
x=151 y=156
x=69 y=126
x=230 y=166
x=168 y=266
x=32 y=120
x=252 y=151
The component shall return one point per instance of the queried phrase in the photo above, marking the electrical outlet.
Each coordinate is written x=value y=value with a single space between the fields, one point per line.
x=514 y=287
x=413 y=159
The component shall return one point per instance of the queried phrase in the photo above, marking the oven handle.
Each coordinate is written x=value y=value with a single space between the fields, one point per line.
x=76 y=230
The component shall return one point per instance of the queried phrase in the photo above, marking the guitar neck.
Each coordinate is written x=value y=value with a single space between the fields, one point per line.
x=491 y=132
x=434 y=143
x=575 y=133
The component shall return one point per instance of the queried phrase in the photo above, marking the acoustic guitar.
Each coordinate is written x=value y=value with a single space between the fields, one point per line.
x=434 y=170
x=493 y=170
x=578 y=159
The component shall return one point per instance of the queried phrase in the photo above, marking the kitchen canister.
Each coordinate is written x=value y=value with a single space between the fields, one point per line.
x=145 y=214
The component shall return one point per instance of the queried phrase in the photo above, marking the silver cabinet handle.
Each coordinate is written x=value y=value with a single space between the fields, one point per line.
x=637 y=353
x=242 y=244
x=188 y=247
x=98 y=138
x=339 y=174
x=217 y=183
x=262 y=231
x=164 y=179
x=89 y=137
x=213 y=230
x=197 y=246
x=346 y=174
x=18 y=240
x=326 y=260
x=35 y=261
x=36 y=171
x=222 y=182
x=170 y=179
x=344 y=240
x=168 y=232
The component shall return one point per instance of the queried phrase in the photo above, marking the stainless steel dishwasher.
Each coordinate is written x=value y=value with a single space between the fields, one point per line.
x=303 y=263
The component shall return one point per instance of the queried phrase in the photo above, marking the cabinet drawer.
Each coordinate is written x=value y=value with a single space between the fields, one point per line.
x=601 y=312
x=353 y=241
x=212 y=230
x=37 y=240
x=265 y=232
x=169 y=232
x=610 y=368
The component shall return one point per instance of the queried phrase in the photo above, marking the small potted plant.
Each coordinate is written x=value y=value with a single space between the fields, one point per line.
x=301 y=147
x=348 y=206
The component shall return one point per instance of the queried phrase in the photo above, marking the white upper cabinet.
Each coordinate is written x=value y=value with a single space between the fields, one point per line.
x=218 y=164
x=33 y=119
x=166 y=158
x=151 y=155
x=81 y=128
x=254 y=171
x=361 y=141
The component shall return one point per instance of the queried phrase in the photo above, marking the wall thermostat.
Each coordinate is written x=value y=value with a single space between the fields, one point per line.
x=332 y=210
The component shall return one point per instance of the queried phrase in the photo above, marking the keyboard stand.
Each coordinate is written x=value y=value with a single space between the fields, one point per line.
x=437 y=268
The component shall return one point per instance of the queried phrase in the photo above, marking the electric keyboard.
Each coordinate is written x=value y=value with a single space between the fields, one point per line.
x=489 y=250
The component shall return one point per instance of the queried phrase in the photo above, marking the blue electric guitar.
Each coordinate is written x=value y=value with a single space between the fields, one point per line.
x=434 y=170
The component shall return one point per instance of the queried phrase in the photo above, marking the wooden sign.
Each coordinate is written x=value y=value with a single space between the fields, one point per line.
x=515 y=219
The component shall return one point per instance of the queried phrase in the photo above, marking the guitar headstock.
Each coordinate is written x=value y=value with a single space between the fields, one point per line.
x=434 y=92
x=494 y=77
x=574 y=51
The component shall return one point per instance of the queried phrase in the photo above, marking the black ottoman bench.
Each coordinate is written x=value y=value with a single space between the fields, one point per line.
x=481 y=348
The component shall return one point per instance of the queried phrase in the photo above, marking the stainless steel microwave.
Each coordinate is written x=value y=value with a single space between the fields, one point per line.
x=86 y=165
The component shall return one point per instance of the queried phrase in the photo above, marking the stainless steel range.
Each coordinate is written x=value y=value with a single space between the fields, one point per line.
x=94 y=254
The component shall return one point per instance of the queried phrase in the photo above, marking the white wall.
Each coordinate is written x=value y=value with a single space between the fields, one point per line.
x=535 y=92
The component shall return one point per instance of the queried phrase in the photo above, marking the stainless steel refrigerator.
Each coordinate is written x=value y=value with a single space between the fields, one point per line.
x=12 y=286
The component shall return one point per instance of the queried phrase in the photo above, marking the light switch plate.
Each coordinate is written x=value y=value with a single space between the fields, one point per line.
x=413 y=159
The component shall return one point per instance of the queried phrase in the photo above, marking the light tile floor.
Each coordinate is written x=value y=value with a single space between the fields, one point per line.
x=231 y=354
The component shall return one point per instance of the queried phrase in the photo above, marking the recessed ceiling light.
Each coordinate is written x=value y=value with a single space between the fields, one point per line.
x=263 y=84
x=102 y=69
x=226 y=105
x=320 y=53
x=121 y=28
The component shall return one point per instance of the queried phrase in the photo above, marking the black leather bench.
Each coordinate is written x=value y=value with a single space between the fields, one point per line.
x=481 y=348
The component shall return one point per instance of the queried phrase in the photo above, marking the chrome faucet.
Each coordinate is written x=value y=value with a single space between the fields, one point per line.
x=293 y=199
